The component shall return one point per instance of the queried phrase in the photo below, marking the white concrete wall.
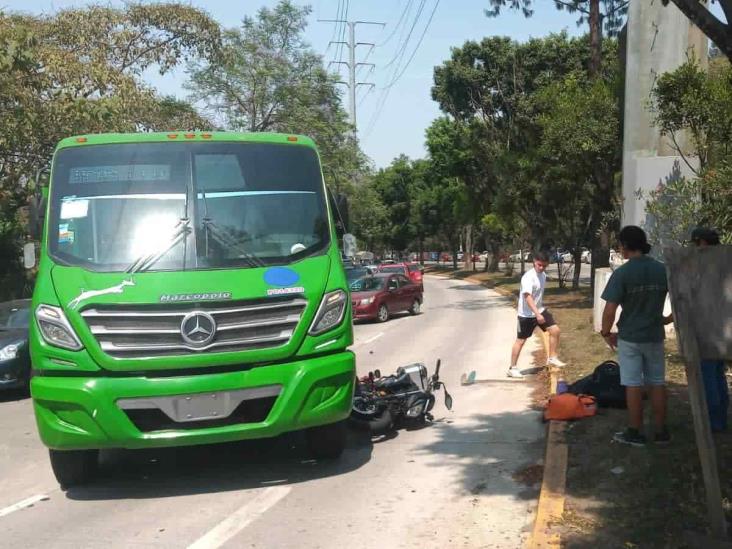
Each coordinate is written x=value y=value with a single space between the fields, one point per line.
x=659 y=39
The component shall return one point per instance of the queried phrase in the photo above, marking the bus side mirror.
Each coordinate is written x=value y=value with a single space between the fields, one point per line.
x=349 y=245
x=29 y=255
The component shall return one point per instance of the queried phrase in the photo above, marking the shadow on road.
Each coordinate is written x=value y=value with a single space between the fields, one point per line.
x=170 y=472
x=13 y=395
x=468 y=287
x=474 y=304
x=490 y=450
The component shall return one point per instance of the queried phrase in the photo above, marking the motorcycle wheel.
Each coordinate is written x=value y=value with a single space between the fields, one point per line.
x=381 y=423
x=371 y=417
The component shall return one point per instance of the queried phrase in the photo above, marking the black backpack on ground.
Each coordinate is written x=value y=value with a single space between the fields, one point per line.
x=603 y=384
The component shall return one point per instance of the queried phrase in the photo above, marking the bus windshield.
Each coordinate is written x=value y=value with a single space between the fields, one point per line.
x=180 y=206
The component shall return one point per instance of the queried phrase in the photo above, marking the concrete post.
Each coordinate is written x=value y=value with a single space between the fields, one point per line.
x=659 y=40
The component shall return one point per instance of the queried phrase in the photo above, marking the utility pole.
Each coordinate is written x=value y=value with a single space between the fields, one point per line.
x=352 y=65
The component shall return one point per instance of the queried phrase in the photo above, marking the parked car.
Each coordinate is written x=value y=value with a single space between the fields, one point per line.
x=414 y=273
x=379 y=296
x=557 y=256
x=516 y=256
x=15 y=364
x=356 y=272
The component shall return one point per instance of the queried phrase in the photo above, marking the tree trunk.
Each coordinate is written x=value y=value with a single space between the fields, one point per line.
x=495 y=253
x=559 y=272
x=454 y=257
x=577 y=268
x=468 y=257
x=595 y=38
x=699 y=14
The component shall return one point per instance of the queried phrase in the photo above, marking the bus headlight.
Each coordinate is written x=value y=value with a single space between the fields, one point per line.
x=330 y=313
x=55 y=328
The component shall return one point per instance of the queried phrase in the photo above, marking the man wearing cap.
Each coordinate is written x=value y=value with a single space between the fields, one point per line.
x=713 y=371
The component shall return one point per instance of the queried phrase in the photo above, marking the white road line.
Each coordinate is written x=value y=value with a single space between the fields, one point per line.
x=372 y=339
x=23 y=504
x=240 y=519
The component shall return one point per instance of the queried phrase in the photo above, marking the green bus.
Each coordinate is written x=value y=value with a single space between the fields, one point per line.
x=190 y=290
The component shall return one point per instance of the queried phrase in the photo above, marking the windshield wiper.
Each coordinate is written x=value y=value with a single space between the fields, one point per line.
x=222 y=238
x=225 y=240
x=182 y=229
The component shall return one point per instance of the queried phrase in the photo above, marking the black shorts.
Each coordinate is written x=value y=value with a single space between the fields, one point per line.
x=526 y=326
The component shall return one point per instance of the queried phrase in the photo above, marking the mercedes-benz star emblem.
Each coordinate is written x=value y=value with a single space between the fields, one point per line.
x=198 y=329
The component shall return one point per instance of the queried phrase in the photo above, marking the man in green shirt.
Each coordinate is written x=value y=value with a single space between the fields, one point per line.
x=639 y=287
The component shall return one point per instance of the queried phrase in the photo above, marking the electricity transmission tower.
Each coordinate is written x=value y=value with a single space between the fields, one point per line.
x=352 y=65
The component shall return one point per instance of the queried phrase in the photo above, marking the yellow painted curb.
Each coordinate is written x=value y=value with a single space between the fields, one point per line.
x=553 y=485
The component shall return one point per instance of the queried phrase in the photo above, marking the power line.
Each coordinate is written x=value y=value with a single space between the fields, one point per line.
x=398 y=56
x=401 y=49
x=419 y=43
x=400 y=70
x=335 y=30
x=343 y=30
x=398 y=23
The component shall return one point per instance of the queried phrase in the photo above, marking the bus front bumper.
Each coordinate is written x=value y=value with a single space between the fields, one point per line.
x=75 y=413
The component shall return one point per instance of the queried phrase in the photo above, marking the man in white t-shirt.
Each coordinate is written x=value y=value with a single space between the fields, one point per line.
x=532 y=313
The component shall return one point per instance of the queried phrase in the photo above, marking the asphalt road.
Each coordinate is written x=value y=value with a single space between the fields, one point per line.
x=449 y=484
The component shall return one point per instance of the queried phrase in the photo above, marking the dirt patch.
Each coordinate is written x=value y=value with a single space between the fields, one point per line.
x=530 y=475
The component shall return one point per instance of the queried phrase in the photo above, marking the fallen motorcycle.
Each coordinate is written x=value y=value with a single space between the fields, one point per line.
x=406 y=397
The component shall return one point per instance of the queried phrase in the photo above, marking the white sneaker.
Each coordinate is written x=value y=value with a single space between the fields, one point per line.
x=554 y=361
x=515 y=373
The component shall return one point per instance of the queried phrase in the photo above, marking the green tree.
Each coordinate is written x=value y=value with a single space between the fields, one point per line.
x=394 y=185
x=370 y=217
x=698 y=103
x=580 y=147
x=492 y=90
x=598 y=14
x=267 y=78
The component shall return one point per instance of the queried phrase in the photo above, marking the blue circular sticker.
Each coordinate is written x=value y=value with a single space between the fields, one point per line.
x=281 y=276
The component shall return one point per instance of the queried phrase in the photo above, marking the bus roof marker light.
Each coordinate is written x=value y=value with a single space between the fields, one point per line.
x=190 y=135
x=292 y=138
x=206 y=135
x=172 y=136
x=81 y=140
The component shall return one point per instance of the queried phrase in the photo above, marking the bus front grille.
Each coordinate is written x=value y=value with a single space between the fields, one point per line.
x=130 y=331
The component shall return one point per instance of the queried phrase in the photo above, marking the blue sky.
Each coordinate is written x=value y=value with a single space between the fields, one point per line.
x=388 y=124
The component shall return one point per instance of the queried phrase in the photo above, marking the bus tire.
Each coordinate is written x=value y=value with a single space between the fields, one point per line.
x=74 y=467
x=327 y=441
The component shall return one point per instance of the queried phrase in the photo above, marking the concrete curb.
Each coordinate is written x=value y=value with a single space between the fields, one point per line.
x=553 y=486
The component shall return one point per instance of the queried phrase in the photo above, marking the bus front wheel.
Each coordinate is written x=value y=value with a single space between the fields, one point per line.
x=74 y=467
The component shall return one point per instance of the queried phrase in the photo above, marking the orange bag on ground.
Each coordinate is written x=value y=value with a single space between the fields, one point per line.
x=568 y=406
